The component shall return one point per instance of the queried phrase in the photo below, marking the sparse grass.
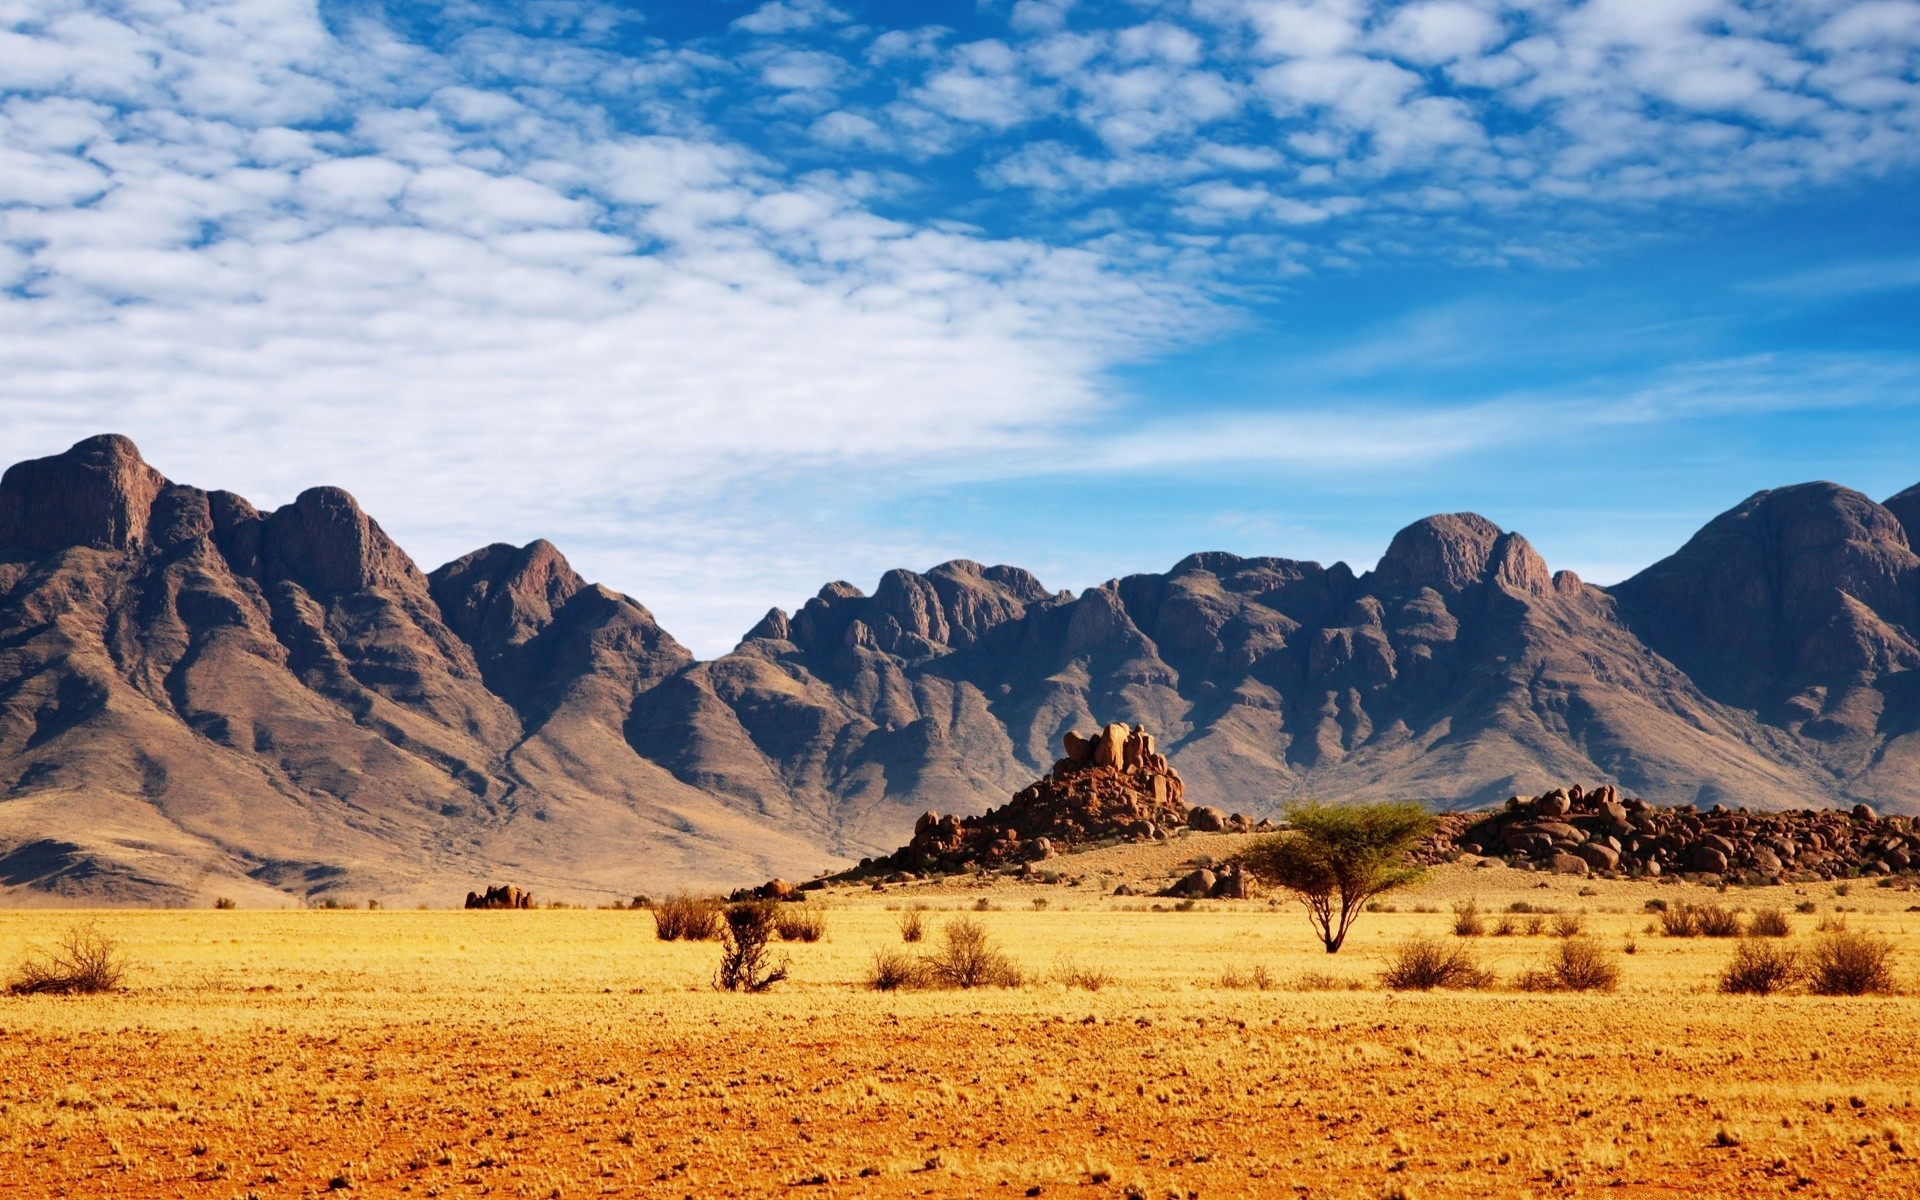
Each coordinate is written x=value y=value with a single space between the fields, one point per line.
x=685 y=918
x=1759 y=968
x=1577 y=964
x=1843 y=963
x=1718 y=921
x=801 y=923
x=1073 y=974
x=1806 y=908
x=1503 y=927
x=1423 y=963
x=1466 y=919
x=1568 y=925
x=83 y=961
x=1321 y=981
x=1256 y=978
x=893 y=970
x=1679 y=920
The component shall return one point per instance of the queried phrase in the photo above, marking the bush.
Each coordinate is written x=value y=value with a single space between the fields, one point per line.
x=1258 y=978
x=1806 y=906
x=893 y=970
x=224 y=902
x=1850 y=964
x=1759 y=968
x=1422 y=964
x=967 y=958
x=85 y=961
x=1466 y=920
x=1503 y=927
x=1680 y=920
x=1535 y=925
x=1568 y=925
x=1073 y=975
x=1769 y=922
x=1656 y=905
x=743 y=949
x=1577 y=964
x=801 y=923
x=913 y=925
x=1717 y=921
x=689 y=918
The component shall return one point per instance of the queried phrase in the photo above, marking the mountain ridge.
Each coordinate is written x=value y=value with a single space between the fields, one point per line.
x=197 y=697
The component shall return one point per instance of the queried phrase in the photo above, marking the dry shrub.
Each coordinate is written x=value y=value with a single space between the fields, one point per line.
x=1568 y=925
x=1577 y=964
x=893 y=970
x=744 y=935
x=224 y=902
x=1717 y=921
x=83 y=962
x=801 y=923
x=687 y=918
x=1850 y=964
x=1073 y=975
x=1503 y=927
x=1256 y=978
x=913 y=924
x=1422 y=964
x=1769 y=922
x=967 y=958
x=1466 y=919
x=1680 y=920
x=1806 y=907
x=1535 y=925
x=1759 y=968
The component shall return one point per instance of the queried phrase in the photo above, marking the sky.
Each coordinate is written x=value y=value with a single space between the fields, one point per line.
x=728 y=300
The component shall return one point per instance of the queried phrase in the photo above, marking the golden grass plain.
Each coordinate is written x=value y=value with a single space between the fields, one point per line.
x=569 y=1053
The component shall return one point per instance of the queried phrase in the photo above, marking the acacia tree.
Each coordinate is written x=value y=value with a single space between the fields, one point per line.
x=1336 y=857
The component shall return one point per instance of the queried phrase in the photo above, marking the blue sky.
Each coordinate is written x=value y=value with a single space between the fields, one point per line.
x=729 y=299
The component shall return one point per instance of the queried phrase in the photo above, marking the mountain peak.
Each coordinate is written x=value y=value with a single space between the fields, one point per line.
x=1447 y=552
x=1905 y=506
x=99 y=493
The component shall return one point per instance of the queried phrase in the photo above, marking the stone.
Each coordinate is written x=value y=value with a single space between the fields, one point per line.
x=1598 y=856
x=1196 y=885
x=1232 y=884
x=1207 y=819
x=1563 y=863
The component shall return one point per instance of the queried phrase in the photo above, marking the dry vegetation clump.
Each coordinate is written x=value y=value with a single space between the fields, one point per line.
x=1422 y=964
x=893 y=970
x=83 y=962
x=1321 y=981
x=1466 y=919
x=1255 y=978
x=1759 y=968
x=744 y=934
x=1842 y=963
x=1568 y=925
x=1577 y=964
x=913 y=924
x=1685 y=920
x=687 y=918
x=1718 y=921
x=1074 y=975
x=967 y=958
x=1769 y=922
x=801 y=923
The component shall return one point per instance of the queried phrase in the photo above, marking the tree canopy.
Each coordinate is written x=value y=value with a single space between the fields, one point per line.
x=1336 y=857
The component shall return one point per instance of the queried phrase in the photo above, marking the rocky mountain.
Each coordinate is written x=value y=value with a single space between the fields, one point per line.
x=199 y=698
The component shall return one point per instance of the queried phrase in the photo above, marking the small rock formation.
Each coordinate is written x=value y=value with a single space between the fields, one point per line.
x=504 y=896
x=1577 y=832
x=1110 y=785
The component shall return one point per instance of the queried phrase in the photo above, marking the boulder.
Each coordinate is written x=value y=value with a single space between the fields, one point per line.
x=1207 y=819
x=1232 y=884
x=1197 y=885
x=1564 y=863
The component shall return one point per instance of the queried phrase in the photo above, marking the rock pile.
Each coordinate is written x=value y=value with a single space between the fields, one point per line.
x=1577 y=832
x=1111 y=785
x=504 y=896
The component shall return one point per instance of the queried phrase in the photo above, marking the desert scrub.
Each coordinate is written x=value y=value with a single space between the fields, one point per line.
x=1072 y=974
x=1422 y=964
x=967 y=958
x=1769 y=922
x=893 y=970
x=1717 y=921
x=1843 y=963
x=744 y=934
x=1759 y=968
x=801 y=923
x=913 y=924
x=687 y=918
x=84 y=961
x=1256 y=978
x=1568 y=925
x=1466 y=919
x=1577 y=964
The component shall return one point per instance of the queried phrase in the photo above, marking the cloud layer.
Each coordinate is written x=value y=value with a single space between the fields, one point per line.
x=689 y=307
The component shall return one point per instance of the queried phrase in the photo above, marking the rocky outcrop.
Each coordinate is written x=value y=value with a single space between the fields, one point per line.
x=1112 y=785
x=504 y=896
x=1574 y=831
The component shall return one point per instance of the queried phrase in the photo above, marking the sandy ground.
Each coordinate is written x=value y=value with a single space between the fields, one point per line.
x=570 y=1053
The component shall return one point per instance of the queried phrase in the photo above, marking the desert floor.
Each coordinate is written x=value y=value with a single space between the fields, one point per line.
x=570 y=1053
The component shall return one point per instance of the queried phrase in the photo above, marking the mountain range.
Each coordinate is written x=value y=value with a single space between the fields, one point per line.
x=200 y=699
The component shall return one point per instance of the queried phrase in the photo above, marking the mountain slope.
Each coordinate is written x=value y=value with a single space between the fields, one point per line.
x=198 y=698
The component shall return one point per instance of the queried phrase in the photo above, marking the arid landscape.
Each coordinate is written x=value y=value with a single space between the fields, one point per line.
x=1218 y=1052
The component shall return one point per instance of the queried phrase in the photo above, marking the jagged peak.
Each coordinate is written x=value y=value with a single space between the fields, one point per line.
x=1905 y=507
x=325 y=542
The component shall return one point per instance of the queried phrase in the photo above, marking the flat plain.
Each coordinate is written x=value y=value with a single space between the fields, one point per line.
x=567 y=1052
